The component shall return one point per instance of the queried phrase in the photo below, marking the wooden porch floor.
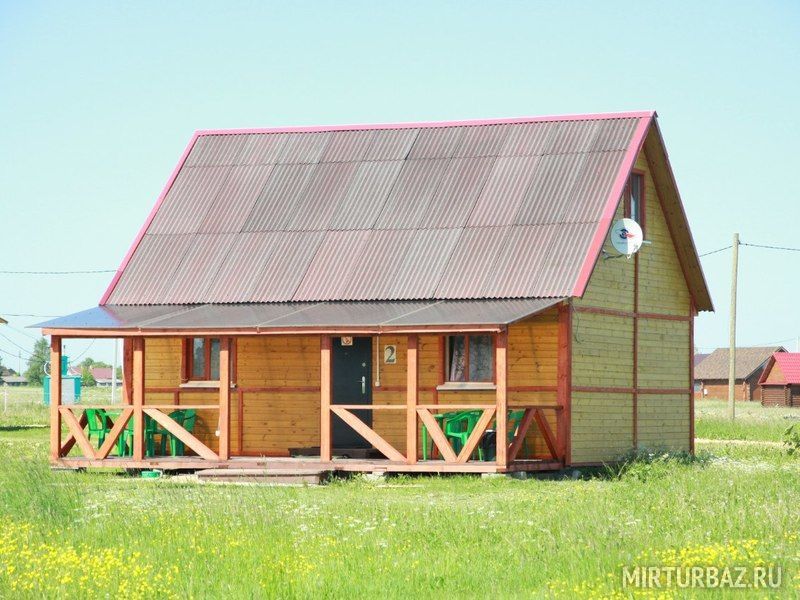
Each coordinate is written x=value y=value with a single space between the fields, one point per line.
x=304 y=465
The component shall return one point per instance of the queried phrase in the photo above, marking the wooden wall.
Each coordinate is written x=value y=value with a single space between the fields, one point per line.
x=615 y=406
x=277 y=391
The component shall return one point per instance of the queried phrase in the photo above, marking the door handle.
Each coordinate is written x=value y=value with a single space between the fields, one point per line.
x=363 y=384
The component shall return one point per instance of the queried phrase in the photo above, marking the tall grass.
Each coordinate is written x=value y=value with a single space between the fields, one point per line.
x=99 y=534
x=753 y=422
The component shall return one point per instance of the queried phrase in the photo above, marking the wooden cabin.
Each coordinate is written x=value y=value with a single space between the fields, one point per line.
x=341 y=296
x=780 y=381
x=711 y=374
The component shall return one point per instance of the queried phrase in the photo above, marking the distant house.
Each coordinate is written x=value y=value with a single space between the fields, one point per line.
x=780 y=381
x=101 y=375
x=14 y=380
x=711 y=374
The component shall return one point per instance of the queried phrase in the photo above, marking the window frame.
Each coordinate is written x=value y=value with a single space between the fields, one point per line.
x=187 y=359
x=642 y=201
x=446 y=359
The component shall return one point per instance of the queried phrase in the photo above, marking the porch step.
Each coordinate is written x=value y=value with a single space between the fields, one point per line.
x=297 y=476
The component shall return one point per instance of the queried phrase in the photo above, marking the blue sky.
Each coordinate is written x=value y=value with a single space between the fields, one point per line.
x=98 y=99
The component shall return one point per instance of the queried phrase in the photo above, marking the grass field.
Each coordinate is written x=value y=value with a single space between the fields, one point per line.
x=100 y=534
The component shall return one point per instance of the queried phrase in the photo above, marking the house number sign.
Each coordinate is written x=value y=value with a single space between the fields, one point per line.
x=390 y=354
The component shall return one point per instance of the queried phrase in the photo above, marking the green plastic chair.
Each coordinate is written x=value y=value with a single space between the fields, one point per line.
x=514 y=420
x=97 y=424
x=125 y=442
x=177 y=416
x=459 y=427
x=177 y=447
x=440 y=417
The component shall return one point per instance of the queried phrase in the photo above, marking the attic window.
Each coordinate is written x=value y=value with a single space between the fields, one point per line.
x=634 y=198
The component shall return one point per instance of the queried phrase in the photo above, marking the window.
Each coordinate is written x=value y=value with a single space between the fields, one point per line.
x=470 y=358
x=201 y=359
x=634 y=198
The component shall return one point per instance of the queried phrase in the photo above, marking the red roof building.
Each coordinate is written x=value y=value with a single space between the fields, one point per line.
x=780 y=381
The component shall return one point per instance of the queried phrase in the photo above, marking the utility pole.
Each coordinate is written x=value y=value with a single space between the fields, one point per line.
x=732 y=341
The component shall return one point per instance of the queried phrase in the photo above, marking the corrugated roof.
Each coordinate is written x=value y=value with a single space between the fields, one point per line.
x=280 y=315
x=499 y=209
x=748 y=360
x=789 y=365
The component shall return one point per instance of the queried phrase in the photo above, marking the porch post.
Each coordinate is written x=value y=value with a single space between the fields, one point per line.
x=325 y=399
x=501 y=372
x=412 y=394
x=138 y=398
x=224 y=398
x=127 y=370
x=564 y=382
x=55 y=397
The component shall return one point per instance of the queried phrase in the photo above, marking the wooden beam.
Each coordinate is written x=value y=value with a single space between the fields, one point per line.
x=114 y=433
x=138 y=398
x=67 y=445
x=55 y=397
x=475 y=437
x=564 y=383
x=368 y=434
x=224 y=398
x=245 y=331
x=412 y=397
x=127 y=370
x=77 y=432
x=635 y=374
x=547 y=433
x=437 y=435
x=692 y=312
x=501 y=397
x=326 y=396
x=179 y=432
x=519 y=436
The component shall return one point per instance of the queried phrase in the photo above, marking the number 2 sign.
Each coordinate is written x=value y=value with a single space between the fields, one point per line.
x=390 y=354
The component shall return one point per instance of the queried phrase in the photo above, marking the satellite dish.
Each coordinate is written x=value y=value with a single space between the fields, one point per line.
x=626 y=237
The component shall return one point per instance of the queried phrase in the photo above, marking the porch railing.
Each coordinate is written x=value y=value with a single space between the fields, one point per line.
x=75 y=418
x=533 y=414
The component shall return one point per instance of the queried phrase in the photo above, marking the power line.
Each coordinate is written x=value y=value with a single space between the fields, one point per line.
x=16 y=344
x=29 y=315
x=57 y=272
x=27 y=335
x=772 y=247
x=9 y=353
x=715 y=251
x=84 y=352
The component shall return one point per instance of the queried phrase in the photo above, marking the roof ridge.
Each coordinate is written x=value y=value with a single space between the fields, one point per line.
x=429 y=124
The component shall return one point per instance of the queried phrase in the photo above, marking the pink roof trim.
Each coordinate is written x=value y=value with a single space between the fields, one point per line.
x=149 y=220
x=789 y=362
x=429 y=124
x=611 y=204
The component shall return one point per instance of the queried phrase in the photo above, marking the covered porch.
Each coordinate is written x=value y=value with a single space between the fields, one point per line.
x=278 y=396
